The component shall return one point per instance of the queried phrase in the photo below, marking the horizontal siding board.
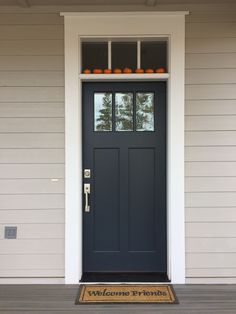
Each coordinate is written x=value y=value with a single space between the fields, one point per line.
x=210 y=245
x=210 y=17
x=30 y=94
x=226 y=153
x=210 y=60
x=32 y=171
x=32 y=110
x=211 y=260
x=27 y=32
x=32 y=156
x=40 y=216
x=30 y=19
x=32 y=273
x=220 y=91
x=31 y=78
x=38 y=231
x=31 y=63
x=31 y=186
x=211 y=230
x=210 y=30
x=206 y=184
x=34 y=246
x=32 y=140
x=211 y=45
x=199 y=6
x=208 y=199
x=17 y=125
x=210 y=107
x=210 y=214
x=210 y=138
x=192 y=6
x=52 y=261
x=32 y=201
x=31 y=47
x=219 y=7
x=211 y=272
x=210 y=169
x=210 y=76
x=216 y=123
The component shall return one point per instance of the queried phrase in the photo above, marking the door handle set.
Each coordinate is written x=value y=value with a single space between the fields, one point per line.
x=87 y=193
x=87 y=175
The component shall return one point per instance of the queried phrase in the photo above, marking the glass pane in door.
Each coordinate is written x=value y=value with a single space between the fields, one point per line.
x=124 y=111
x=103 y=112
x=144 y=111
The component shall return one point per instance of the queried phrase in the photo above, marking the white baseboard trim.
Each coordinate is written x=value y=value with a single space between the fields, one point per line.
x=31 y=281
x=223 y=280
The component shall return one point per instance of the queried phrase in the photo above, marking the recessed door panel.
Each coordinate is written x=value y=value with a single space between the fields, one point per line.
x=142 y=218
x=106 y=208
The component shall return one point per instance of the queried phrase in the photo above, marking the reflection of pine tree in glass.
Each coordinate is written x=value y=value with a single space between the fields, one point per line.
x=104 y=121
x=144 y=111
x=124 y=112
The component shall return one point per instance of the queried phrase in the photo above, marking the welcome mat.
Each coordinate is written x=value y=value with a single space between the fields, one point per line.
x=126 y=294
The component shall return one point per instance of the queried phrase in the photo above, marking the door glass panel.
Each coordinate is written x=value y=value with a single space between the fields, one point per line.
x=145 y=111
x=103 y=111
x=124 y=111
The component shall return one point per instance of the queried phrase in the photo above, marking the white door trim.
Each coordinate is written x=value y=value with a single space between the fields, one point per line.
x=166 y=24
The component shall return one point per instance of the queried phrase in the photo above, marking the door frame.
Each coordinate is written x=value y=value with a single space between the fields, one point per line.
x=170 y=25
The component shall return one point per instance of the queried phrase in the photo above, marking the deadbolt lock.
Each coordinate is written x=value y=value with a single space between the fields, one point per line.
x=87 y=173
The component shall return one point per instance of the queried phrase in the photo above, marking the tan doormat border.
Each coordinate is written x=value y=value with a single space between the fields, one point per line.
x=126 y=293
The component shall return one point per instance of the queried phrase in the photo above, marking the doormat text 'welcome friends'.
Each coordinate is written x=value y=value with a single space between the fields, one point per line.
x=126 y=294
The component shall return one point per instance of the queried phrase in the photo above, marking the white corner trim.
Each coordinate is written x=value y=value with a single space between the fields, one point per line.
x=133 y=24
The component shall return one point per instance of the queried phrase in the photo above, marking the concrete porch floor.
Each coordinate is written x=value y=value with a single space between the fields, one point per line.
x=194 y=299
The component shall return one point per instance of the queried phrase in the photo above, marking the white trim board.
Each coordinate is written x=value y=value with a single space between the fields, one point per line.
x=124 y=77
x=169 y=25
x=130 y=13
x=32 y=281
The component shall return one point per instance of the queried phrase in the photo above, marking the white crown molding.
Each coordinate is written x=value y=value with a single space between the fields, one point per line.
x=118 y=14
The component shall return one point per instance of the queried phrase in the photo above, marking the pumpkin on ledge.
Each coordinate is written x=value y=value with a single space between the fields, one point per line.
x=107 y=71
x=127 y=71
x=87 y=71
x=149 y=71
x=139 y=71
x=97 y=71
x=117 y=71
x=160 y=70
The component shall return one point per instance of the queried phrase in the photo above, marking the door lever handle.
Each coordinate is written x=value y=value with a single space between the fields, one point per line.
x=86 y=193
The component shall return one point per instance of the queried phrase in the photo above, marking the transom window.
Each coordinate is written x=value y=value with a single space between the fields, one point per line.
x=124 y=111
x=124 y=54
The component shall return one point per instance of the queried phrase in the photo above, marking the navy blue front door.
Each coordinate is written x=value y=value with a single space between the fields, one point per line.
x=124 y=146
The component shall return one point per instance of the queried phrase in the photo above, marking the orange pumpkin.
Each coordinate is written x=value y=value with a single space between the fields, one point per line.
x=117 y=71
x=127 y=71
x=97 y=71
x=160 y=70
x=87 y=71
x=139 y=71
x=107 y=71
x=149 y=71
